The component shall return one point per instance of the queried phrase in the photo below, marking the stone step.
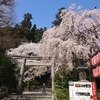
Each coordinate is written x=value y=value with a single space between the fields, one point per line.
x=36 y=95
x=46 y=98
x=29 y=97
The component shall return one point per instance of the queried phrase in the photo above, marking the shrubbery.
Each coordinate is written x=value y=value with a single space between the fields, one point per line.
x=61 y=83
x=7 y=73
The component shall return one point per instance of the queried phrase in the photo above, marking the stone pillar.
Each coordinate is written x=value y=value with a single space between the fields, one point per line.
x=19 y=88
x=52 y=75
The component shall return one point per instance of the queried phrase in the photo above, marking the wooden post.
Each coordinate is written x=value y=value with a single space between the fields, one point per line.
x=21 y=76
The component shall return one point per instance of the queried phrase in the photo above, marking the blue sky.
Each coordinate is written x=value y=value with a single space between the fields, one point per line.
x=43 y=11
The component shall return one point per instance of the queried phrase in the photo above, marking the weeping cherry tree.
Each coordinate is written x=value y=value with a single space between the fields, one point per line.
x=76 y=37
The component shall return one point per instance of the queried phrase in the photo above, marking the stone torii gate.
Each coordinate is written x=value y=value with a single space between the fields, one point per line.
x=24 y=60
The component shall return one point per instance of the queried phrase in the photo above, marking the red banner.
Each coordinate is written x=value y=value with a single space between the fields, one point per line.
x=94 y=92
x=95 y=60
x=96 y=72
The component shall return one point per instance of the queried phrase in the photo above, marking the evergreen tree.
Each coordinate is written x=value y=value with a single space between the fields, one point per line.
x=58 y=20
x=26 y=22
x=36 y=34
x=62 y=77
x=7 y=72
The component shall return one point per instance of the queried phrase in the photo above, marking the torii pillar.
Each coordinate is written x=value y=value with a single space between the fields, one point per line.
x=52 y=74
x=19 y=88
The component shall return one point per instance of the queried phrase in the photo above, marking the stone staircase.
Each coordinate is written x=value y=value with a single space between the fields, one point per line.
x=31 y=96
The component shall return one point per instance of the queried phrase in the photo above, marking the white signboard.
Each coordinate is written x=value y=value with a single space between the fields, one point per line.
x=80 y=90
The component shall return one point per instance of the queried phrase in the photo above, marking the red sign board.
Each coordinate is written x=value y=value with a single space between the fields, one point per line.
x=94 y=92
x=95 y=60
x=96 y=72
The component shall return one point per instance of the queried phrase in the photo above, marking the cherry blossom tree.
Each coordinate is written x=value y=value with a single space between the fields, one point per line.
x=75 y=38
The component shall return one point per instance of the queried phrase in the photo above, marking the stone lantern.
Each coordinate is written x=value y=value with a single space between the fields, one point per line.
x=82 y=70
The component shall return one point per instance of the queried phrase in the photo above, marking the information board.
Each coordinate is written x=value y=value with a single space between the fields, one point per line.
x=82 y=91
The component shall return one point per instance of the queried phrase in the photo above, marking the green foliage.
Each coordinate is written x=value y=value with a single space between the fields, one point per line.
x=26 y=22
x=58 y=20
x=31 y=85
x=27 y=16
x=36 y=34
x=7 y=72
x=34 y=83
x=61 y=82
x=31 y=34
x=12 y=36
x=62 y=78
x=3 y=88
x=20 y=33
x=62 y=94
x=98 y=94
